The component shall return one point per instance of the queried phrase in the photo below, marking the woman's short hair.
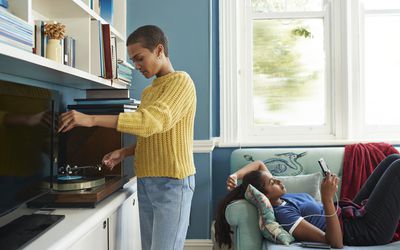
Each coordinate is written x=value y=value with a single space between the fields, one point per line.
x=149 y=36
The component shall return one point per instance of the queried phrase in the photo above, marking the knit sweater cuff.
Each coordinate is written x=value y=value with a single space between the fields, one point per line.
x=125 y=122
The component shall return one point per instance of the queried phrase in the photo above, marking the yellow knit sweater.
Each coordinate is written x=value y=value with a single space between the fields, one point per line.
x=164 y=125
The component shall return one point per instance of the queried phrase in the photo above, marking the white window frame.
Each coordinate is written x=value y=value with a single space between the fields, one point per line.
x=369 y=132
x=233 y=75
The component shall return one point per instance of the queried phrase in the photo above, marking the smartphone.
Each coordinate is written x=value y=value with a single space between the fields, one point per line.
x=324 y=167
x=315 y=245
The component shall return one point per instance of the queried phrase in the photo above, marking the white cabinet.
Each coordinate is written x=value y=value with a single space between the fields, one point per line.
x=113 y=225
x=118 y=231
x=124 y=230
x=94 y=239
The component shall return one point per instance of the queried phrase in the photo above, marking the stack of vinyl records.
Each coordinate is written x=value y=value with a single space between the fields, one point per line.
x=105 y=106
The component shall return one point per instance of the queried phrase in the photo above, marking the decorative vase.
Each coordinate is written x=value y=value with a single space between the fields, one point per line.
x=53 y=50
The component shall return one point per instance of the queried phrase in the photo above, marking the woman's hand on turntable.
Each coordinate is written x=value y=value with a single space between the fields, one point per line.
x=112 y=159
x=72 y=119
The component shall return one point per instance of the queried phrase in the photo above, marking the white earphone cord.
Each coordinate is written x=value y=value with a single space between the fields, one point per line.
x=322 y=215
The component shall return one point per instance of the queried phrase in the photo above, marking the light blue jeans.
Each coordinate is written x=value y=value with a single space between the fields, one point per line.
x=164 y=209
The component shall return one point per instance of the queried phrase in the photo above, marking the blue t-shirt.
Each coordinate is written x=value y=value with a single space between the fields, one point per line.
x=295 y=207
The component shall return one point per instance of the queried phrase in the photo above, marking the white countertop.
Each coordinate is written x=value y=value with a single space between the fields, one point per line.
x=79 y=221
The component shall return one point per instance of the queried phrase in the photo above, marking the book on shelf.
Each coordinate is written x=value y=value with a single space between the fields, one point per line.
x=108 y=101
x=4 y=4
x=105 y=111
x=114 y=61
x=107 y=93
x=40 y=38
x=15 y=32
x=96 y=48
x=124 y=71
x=107 y=10
x=69 y=51
x=102 y=106
x=107 y=51
x=126 y=64
x=124 y=80
x=95 y=6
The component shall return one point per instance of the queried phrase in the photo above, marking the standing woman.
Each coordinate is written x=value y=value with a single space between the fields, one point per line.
x=164 y=125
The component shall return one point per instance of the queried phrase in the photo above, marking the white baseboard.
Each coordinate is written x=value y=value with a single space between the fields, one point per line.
x=198 y=245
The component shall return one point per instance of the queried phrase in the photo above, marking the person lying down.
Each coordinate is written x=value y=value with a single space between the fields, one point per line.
x=373 y=218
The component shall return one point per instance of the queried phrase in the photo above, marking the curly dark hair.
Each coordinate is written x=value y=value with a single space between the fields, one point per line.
x=149 y=36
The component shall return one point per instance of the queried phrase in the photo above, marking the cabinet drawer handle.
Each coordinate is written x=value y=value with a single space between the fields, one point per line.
x=134 y=201
x=104 y=224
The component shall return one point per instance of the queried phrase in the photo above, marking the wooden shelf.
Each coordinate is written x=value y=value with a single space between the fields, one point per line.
x=17 y=62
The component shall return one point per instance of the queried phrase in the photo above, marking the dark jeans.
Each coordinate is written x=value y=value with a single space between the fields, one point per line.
x=382 y=189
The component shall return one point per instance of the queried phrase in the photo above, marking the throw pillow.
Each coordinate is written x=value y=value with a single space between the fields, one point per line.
x=270 y=229
x=308 y=183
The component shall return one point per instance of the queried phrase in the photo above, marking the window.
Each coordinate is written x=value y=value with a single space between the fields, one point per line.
x=308 y=71
x=381 y=64
x=288 y=83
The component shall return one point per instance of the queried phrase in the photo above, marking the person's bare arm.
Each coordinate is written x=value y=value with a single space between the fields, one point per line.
x=113 y=158
x=231 y=182
x=333 y=235
x=128 y=151
x=305 y=231
x=255 y=165
x=73 y=118
x=333 y=232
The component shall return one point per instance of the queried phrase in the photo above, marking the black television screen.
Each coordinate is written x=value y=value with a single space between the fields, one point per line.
x=26 y=143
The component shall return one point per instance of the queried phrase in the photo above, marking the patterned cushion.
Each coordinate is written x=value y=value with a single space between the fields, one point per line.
x=270 y=229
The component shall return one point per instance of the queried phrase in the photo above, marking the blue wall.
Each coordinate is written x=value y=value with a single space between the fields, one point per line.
x=200 y=218
x=187 y=24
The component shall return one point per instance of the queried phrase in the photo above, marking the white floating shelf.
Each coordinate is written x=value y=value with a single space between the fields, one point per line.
x=14 y=61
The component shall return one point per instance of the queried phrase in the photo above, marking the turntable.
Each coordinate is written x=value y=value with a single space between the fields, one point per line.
x=77 y=183
x=69 y=180
x=80 y=180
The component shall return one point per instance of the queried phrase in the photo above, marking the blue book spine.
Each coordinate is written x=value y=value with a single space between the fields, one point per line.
x=107 y=10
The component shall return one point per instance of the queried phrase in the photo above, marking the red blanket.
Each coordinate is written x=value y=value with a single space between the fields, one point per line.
x=359 y=162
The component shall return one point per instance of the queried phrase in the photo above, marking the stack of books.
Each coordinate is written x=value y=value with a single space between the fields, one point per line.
x=106 y=102
x=15 y=31
x=124 y=71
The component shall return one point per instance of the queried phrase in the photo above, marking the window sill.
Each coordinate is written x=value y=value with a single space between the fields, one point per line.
x=309 y=143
